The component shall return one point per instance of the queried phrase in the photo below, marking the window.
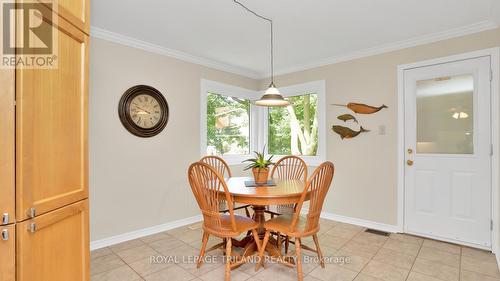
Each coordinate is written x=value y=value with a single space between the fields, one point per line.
x=228 y=125
x=293 y=130
x=232 y=127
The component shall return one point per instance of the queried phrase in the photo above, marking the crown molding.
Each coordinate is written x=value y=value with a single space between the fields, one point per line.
x=104 y=34
x=395 y=46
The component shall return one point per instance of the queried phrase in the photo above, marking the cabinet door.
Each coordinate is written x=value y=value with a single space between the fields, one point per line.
x=51 y=129
x=55 y=246
x=77 y=12
x=7 y=253
x=7 y=147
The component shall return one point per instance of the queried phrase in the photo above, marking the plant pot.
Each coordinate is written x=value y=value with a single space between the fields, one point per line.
x=260 y=175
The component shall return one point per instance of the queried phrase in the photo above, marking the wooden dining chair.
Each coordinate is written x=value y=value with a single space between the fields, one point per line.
x=289 y=168
x=297 y=226
x=210 y=189
x=223 y=168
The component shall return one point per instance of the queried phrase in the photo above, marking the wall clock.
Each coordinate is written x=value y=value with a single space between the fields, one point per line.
x=143 y=111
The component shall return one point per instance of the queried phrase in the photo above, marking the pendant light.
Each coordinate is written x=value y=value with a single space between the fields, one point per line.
x=272 y=96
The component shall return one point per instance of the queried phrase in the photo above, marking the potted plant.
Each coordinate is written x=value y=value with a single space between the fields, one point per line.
x=260 y=167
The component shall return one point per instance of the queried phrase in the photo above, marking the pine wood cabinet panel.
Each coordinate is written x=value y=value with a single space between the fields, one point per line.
x=7 y=254
x=77 y=12
x=7 y=145
x=52 y=128
x=55 y=246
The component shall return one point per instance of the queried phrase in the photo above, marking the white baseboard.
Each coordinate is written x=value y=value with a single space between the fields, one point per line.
x=361 y=222
x=94 y=245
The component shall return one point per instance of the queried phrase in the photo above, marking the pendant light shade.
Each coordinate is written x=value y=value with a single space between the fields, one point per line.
x=272 y=97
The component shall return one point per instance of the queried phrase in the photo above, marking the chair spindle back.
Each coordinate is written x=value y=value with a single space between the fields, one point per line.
x=218 y=164
x=210 y=191
x=290 y=168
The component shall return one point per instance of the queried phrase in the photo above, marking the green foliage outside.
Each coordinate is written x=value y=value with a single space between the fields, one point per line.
x=232 y=136
x=293 y=130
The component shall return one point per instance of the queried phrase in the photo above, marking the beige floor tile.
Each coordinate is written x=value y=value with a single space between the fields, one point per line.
x=212 y=241
x=402 y=247
x=364 y=250
x=478 y=254
x=122 y=273
x=370 y=239
x=324 y=228
x=364 y=277
x=333 y=272
x=385 y=271
x=105 y=263
x=474 y=276
x=310 y=278
x=173 y=272
x=483 y=267
x=147 y=266
x=100 y=252
x=356 y=262
x=277 y=272
x=137 y=253
x=439 y=256
x=415 y=276
x=394 y=258
x=342 y=231
x=189 y=236
x=437 y=270
x=219 y=273
x=443 y=246
x=166 y=244
x=126 y=245
x=155 y=237
x=330 y=241
x=407 y=238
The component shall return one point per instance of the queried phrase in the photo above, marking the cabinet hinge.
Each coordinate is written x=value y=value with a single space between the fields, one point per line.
x=5 y=218
x=491 y=225
x=491 y=149
x=32 y=227
x=31 y=212
x=491 y=75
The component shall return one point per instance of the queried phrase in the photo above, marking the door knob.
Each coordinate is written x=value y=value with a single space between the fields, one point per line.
x=409 y=162
x=410 y=151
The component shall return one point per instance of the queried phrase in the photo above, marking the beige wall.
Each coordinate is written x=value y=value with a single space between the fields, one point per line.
x=365 y=184
x=135 y=182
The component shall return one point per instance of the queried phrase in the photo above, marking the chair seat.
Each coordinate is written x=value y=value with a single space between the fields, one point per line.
x=283 y=223
x=243 y=224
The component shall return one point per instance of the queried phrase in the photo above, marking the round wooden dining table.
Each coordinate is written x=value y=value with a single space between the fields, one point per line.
x=283 y=192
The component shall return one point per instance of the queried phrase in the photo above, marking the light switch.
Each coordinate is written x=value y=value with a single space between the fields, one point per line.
x=381 y=130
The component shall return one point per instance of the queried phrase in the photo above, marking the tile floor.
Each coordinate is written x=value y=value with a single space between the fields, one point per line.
x=369 y=257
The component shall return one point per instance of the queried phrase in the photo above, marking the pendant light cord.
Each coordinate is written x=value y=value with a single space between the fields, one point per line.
x=272 y=37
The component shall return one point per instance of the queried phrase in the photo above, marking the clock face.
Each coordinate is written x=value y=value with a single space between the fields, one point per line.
x=145 y=111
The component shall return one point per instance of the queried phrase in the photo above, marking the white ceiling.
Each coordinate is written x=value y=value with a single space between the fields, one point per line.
x=308 y=32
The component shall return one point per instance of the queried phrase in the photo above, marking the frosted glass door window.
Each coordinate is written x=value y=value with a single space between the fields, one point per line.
x=445 y=115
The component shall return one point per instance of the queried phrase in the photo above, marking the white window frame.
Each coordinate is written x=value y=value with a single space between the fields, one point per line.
x=259 y=117
x=318 y=88
x=208 y=86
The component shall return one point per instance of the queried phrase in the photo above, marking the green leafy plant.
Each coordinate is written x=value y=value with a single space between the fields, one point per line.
x=259 y=161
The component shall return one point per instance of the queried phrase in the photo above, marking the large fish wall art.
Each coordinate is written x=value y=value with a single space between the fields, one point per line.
x=348 y=133
x=361 y=108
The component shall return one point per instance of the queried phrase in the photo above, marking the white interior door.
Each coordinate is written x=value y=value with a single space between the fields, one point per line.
x=448 y=157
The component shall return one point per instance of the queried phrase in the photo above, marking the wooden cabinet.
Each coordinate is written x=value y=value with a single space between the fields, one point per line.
x=77 y=12
x=7 y=139
x=7 y=253
x=51 y=129
x=54 y=246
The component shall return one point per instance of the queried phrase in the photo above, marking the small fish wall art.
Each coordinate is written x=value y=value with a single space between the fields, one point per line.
x=362 y=108
x=348 y=133
x=347 y=117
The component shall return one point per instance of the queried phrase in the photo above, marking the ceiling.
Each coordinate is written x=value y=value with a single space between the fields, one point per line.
x=307 y=33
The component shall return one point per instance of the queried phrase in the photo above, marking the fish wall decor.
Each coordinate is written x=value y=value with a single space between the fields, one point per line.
x=347 y=117
x=348 y=133
x=361 y=108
